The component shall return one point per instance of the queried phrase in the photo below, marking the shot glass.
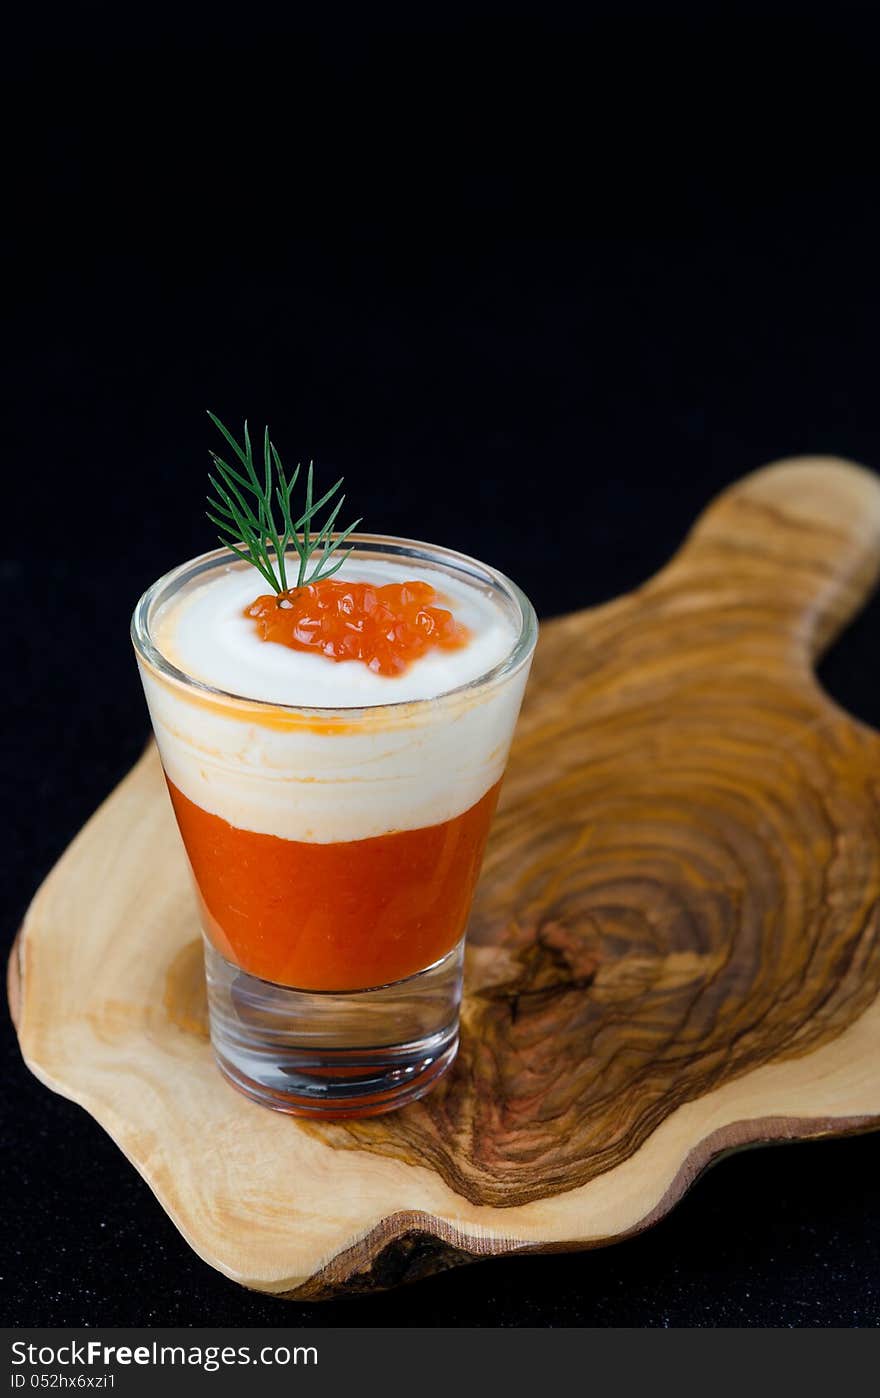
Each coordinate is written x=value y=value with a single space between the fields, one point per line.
x=334 y=855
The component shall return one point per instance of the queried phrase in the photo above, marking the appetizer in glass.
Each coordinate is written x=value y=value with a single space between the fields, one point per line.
x=333 y=711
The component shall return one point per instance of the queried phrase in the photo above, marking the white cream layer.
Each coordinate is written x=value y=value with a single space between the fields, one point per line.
x=387 y=770
x=207 y=635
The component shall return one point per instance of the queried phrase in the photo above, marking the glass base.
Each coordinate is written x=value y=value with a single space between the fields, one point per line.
x=322 y=1053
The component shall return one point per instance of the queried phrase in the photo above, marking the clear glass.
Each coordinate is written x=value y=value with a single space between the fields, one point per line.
x=334 y=854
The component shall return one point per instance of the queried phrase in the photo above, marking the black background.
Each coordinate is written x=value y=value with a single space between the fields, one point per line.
x=539 y=289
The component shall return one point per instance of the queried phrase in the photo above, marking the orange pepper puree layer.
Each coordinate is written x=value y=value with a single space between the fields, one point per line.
x=386 y=627
x=342 y=916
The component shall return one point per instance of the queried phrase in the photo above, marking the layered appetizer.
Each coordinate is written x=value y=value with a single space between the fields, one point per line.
x=333 y=711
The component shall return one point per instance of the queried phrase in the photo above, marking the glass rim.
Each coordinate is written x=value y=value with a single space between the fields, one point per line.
x=516 y=657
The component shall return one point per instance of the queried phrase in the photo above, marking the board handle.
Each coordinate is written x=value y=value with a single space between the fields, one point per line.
x=797 y=541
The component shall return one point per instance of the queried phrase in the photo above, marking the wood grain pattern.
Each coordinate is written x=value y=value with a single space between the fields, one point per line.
x=674 y=949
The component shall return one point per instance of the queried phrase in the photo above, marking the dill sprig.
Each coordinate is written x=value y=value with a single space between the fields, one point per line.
x=245 y=511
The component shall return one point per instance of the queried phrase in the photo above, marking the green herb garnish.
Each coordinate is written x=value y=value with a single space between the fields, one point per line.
x=245 y=511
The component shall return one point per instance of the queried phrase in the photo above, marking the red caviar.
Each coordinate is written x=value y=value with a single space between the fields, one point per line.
x=386 y=627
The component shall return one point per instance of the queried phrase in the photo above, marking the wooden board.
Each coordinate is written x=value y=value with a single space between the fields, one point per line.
x=674 y=949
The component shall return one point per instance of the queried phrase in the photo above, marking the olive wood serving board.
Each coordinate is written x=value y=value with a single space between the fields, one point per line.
x=674 y=952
